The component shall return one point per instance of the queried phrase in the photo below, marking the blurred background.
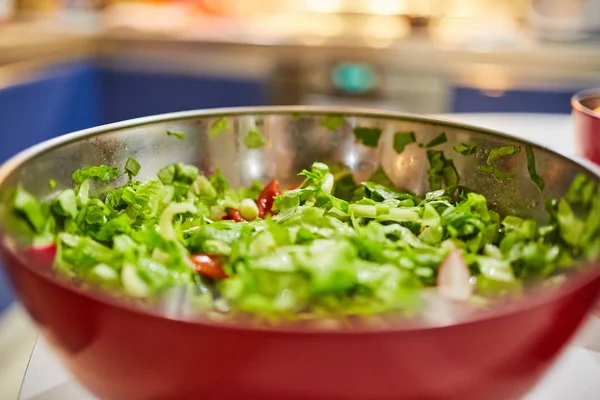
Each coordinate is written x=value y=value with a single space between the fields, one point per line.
x=71 y=64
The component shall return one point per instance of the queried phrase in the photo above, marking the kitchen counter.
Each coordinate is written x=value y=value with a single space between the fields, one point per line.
x=17 y=335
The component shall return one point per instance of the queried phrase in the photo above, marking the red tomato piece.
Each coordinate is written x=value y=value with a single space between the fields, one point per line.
x=42 y=256
x=265 y=198
x=235 y=215
x=208 y=265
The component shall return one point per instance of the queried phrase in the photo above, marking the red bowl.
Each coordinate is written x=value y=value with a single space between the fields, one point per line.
x=587 y=124
x=121 y=351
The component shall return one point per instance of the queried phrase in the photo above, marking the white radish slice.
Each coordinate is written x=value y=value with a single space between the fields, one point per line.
x=453 y=278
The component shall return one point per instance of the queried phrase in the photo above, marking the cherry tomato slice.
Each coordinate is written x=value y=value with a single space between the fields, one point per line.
x=42 y=257
x=235 y=215
x=265 y=198
x=208 y=265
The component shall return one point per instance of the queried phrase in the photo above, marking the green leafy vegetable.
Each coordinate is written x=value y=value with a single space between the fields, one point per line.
x=178 y=135
x=535 y=177
x=401 y=140
x=581 y=191
x=218 y=127
x=102 y=173
x=436 y=141
x=132 y=167
x=254 y=139
x=442 y=171
x=330 y=248
x=52 y=184
x=502 y=152
x=332 y=122
x=25 y=203
x=465 y=148
x=496 y=172
x=368 y=136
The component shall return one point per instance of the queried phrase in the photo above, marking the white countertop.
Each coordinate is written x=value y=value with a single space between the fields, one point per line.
x=46 y=379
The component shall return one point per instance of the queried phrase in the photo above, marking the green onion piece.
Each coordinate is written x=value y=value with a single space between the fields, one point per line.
x=535 y=177
x=178 y=135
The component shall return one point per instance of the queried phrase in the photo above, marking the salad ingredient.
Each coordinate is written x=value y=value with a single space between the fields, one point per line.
x=401 y=140
x=454 y=277
x=178 y=135
x=266 y=198
x=531 y=168
x=368 y=136
x=465 y=148
x=254 y=139
x=208 y=265
x=436 y=141
x=332 y=122
x=218 y=127
x=328 y=247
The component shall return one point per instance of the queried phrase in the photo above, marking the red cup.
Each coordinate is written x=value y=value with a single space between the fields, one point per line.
x=587 y=124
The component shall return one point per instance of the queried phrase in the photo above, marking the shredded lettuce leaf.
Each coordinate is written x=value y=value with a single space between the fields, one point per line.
x=330 y=247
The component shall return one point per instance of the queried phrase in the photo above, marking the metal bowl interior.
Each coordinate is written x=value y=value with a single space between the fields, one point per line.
x=296 y=137
x=102 y=340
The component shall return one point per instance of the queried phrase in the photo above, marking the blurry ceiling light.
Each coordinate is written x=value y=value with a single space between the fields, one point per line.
x=422 y=8
x=312 y=40
x=379 y=43
x=324 y=6
x=386 y=7
x=492 y=80
x=384 y=28
x=461 y=8
x=328 y=25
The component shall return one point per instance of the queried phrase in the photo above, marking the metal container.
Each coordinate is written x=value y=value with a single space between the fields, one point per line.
x=587 y=123
x=120 y=351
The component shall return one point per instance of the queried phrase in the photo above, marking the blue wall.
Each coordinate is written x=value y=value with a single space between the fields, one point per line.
x=61 y=101
x=465 y=99
x=129 y=94
x=80 y=95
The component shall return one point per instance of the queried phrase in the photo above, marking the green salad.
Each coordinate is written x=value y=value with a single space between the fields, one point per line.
x=330 y=246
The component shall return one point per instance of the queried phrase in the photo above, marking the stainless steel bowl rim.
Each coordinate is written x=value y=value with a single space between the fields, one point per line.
x=582 y=278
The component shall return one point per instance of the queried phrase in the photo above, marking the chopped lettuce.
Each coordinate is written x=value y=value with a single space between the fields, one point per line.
x=254 y=139
x=368 y=136
x=332 y=122
x=436 y=141
x=401 y=140
x=102 y=173
x=330 y=247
